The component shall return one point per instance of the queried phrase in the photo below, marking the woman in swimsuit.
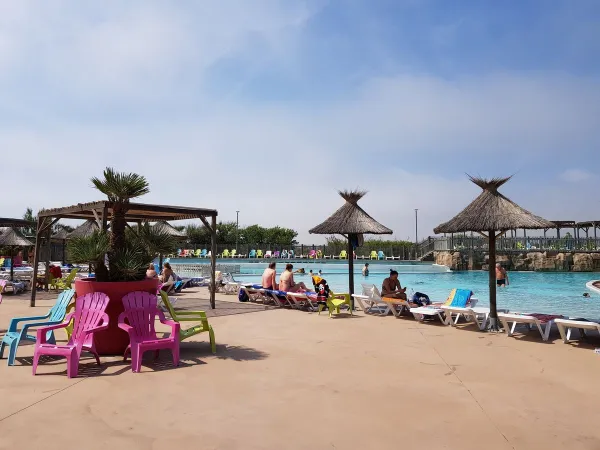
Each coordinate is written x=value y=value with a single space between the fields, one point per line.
x=286 y=281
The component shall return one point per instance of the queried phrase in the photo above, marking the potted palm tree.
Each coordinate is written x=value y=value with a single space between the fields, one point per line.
x=119 y=257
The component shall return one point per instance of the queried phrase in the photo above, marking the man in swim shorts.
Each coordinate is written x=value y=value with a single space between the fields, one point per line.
x=501 y=276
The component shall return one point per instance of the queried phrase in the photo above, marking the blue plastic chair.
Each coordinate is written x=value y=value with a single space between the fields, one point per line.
x=380 y=255
x=252 y=254
x=56 y=315
x=203 y=253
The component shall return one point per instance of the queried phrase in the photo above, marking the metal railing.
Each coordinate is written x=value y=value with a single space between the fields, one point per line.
x=517 y=244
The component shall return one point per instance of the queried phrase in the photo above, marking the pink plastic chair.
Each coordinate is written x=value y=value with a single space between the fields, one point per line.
x=89 y=317
x=141 y=311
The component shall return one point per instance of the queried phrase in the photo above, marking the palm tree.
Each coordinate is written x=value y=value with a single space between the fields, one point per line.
x=120 y=188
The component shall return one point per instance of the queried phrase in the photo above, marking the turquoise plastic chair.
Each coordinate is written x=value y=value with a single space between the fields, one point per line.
x=380 y=255
x=13 y=336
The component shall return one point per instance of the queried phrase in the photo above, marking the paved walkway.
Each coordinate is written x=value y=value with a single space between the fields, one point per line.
x=294 y=380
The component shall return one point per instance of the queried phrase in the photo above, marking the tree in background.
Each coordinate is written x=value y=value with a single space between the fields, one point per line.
x=31 y=231
x=251 y=235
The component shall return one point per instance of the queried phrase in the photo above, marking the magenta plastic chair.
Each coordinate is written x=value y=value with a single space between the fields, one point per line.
x=140 y=312
x=2 y=286
x=89 y=317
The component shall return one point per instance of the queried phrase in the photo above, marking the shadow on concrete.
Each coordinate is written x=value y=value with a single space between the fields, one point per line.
x=240 y=353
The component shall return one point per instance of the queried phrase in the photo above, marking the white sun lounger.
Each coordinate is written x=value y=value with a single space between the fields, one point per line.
x=254 y=295
x=428 y=311
x=371 y=301
x=566 y=325
x=475 y=314
x=529 y=320
x=300 y=300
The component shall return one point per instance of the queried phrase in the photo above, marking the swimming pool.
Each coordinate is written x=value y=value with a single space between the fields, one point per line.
x=544 y=292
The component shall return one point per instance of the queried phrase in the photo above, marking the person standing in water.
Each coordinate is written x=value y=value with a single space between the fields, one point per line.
x=365 y=270
x=501 y=276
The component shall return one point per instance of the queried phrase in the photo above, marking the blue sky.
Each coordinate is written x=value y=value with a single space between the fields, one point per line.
x=270 y=106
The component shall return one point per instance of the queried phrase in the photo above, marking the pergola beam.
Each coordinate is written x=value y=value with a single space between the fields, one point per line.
x=101 y=213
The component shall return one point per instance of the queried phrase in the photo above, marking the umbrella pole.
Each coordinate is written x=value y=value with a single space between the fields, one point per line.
x=350 y=272
x=12 y=263
x=492 y=279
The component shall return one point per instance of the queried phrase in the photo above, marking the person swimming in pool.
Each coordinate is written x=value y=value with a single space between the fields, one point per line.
x=501 y=276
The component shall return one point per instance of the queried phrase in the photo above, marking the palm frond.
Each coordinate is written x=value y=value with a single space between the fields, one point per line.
x=89 y=249
x=129 y=264
x=121 y=186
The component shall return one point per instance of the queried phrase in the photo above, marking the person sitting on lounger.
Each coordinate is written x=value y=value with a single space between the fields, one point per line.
x=268 y=278
x=287 y=283
x=167 y=277
x=391 y=287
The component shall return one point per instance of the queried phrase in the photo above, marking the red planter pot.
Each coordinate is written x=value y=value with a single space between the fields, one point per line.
x=113 y=341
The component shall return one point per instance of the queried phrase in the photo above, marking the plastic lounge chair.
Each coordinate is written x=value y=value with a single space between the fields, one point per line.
x=231 y=288
x=543 y=322
x=234 y=253
x=268 y=254
x=203 y=253
x=380 y=255
x=276 y=254
x=225 y=254
x=279 y=298
x=197 y=253
x=284 y=254
x=371 y=300
x=343 y=254
x=299 y=300
x=565 y=326
x=55 y=316
x=252 y=254
x=319 y=254
x=259 y=253
x=140 y=311
x=373 y=255
x=312 y=254
x=254 y=293
x=199 y=317
x=458 y=298
x=89 y=317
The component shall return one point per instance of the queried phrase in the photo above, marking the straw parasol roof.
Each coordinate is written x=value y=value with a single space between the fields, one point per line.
x=350 y=219
x=9 y=237
x=60 y=235
x=492 y=211
x=84 y=230
x=170 y=229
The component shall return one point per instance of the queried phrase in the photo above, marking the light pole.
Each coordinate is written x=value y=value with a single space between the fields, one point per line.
x=416 y=231
x=237 y=229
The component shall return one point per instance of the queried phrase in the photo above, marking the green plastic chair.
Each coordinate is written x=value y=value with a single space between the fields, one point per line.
x=373 y=255
x=335 y=301
x=259 y=253
x=343 y=254
x=225 y=254
x=63 y=283
x=190 y=316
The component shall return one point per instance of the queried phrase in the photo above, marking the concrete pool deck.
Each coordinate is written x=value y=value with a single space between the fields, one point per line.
x=294 y=380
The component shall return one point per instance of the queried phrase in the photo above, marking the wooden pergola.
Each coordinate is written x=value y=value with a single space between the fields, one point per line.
x=101 y=213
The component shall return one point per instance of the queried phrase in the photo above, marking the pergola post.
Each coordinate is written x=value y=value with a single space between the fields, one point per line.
x=48 y=235
x=351 y=270
x=213 y=260
x=36 y=259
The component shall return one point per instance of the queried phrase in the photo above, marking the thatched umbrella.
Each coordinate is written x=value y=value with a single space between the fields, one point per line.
x=492 y=212
x=62 y=235
x=9 y=237
x=352 y=222
x=166 y=226
x=86 y=229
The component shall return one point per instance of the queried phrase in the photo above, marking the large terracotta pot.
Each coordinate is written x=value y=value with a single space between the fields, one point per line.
x=114 y=340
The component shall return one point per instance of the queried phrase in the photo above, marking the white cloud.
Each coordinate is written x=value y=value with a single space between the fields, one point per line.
x=575 y=175
x=405 y=138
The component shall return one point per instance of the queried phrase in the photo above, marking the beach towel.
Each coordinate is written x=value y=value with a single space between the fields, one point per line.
x=545 y=318
x=459 y=298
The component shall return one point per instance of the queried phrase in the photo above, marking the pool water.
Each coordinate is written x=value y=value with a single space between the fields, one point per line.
x=543 y=292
